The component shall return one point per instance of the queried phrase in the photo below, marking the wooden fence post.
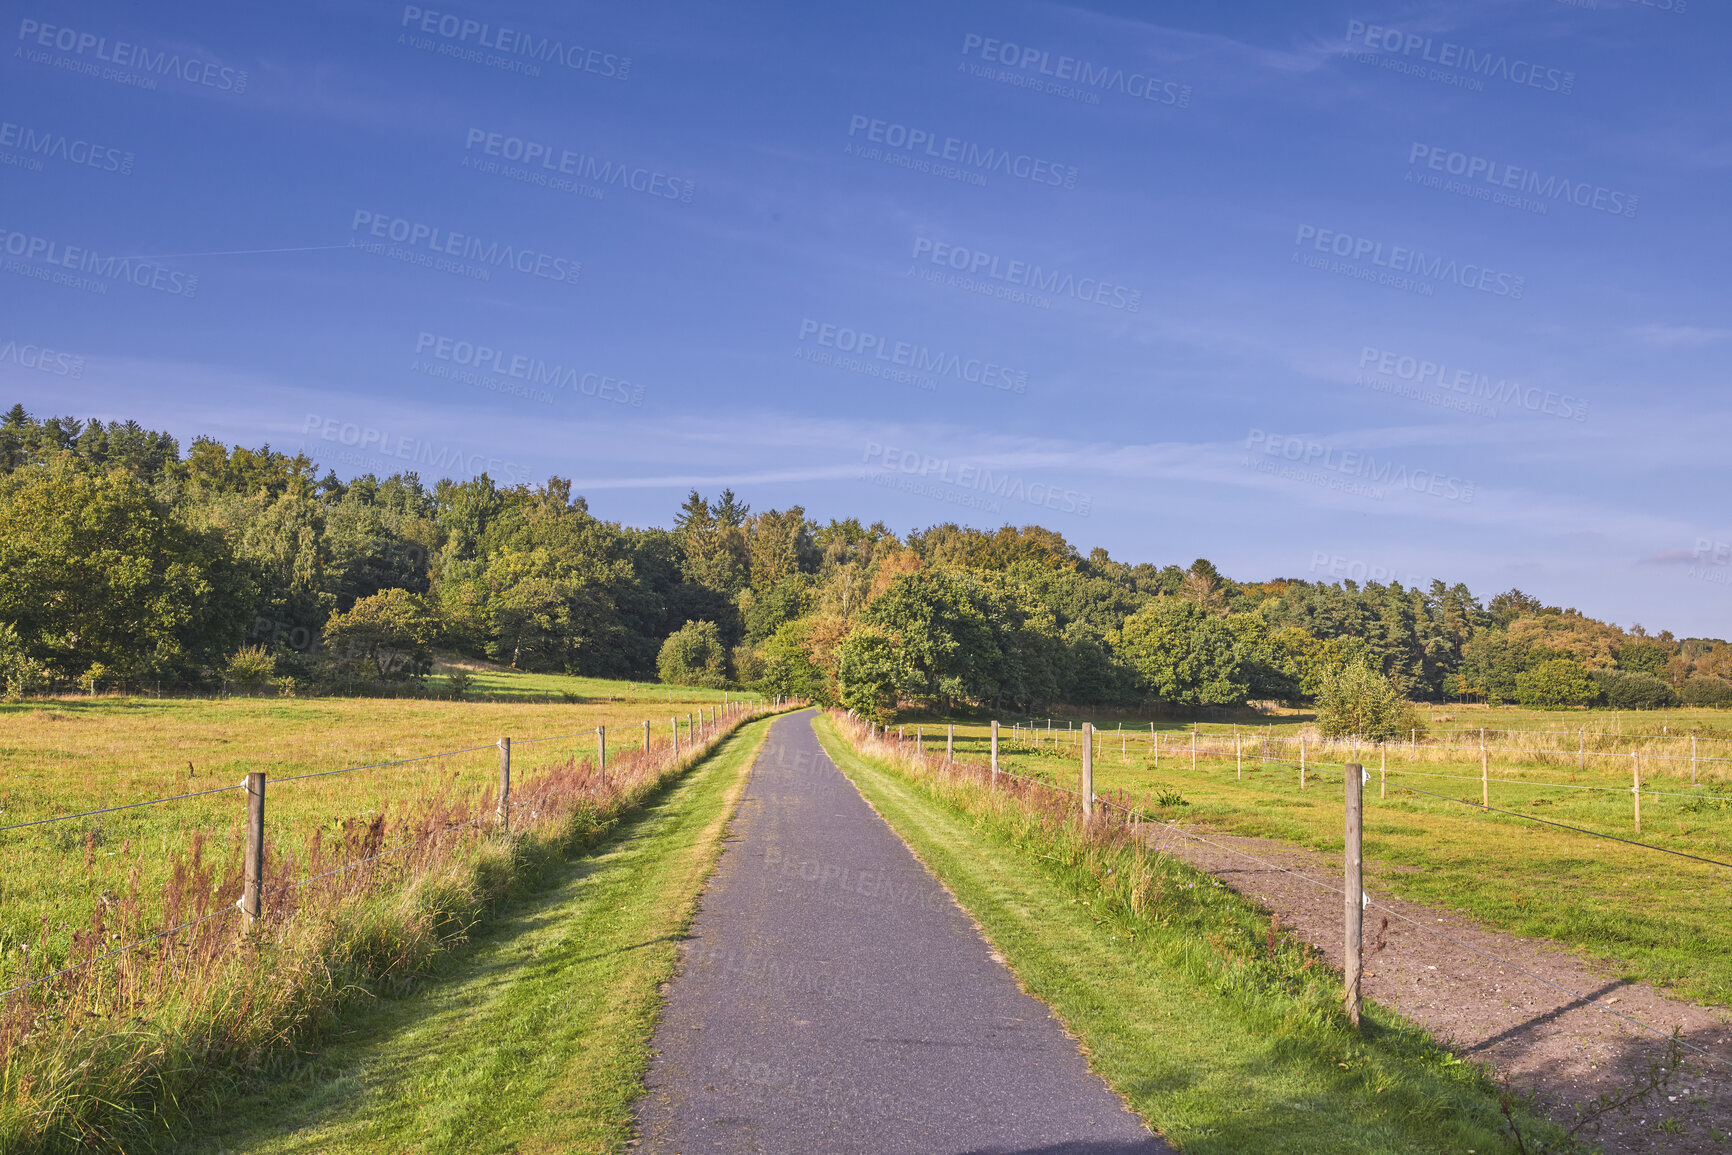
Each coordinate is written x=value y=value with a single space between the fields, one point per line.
x=1088 y=771
x=1484 y=772
x=252 y=898
x=1353 y=907
x=674 y=725
x=1412 y=746
x=1636 y=786
x=601 y=753
x=505 y=783
x=646 y=736
x=919 y=742
x=950 y=741
x=995 y=751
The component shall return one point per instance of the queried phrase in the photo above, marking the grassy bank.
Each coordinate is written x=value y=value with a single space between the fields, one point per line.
x=1222 y=1033
x=120 y=1053
x=537 y=1038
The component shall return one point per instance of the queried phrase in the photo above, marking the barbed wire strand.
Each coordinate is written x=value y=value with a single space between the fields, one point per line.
x=124 y=806
x=379 y=765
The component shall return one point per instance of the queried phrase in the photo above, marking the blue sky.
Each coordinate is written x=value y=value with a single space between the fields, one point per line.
x=1310 y=290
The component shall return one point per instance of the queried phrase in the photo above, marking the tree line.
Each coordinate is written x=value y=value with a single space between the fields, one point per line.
x=124 y=563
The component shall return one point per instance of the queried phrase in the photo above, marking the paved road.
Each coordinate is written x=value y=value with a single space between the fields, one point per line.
x=833 y=998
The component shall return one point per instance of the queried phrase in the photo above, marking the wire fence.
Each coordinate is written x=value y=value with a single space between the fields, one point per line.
x=699 y=730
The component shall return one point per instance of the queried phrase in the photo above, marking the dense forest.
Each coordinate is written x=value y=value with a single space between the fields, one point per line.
x=124 y=564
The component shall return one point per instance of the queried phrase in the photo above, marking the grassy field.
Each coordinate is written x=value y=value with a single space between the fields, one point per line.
x=1217 y=1030
x=73 y=754
x=537 y=1038
x=1651 y=915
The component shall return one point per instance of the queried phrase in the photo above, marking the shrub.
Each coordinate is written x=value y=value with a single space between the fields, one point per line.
x=748 y=664
x=1555 y=684
x=1626 y=691
x=1358 y=702
x=386 y=636
x=19 y=673
x=251 y=667
x=694 y=655
x=1707 y=690
x=457 y=681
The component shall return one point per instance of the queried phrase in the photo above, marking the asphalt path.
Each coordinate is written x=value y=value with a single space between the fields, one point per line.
x=832 y=997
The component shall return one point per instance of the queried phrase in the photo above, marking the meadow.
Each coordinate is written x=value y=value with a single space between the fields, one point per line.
x=1647 y=914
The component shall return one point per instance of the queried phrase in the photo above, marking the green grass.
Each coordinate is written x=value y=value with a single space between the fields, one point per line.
x=1647 y=915
x=1224 y=1040
x=537 y=1038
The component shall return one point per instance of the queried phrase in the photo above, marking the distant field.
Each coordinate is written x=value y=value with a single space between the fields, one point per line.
x=1653 y=916
x=74 y=753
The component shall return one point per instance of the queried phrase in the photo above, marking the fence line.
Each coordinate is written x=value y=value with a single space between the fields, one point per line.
x=324 y=773
x=711 y=729
x=1261 y=739
x=1263 y=734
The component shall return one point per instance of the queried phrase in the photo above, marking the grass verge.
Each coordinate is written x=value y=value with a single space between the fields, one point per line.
x=535 y=1040
x=1223 y=1034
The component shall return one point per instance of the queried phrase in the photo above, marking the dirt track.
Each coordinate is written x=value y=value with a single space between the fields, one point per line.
x=1537 y=1037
